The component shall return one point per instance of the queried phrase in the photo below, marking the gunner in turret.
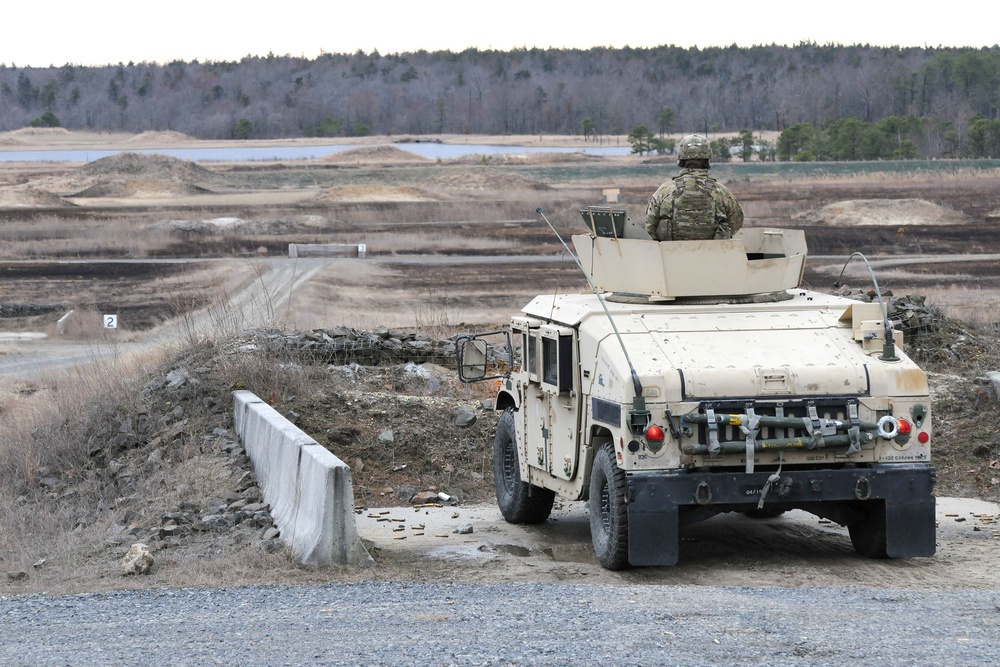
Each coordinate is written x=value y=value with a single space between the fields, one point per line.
x=693 y=205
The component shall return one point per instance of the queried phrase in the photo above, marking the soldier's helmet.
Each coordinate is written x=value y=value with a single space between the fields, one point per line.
x=694 y=147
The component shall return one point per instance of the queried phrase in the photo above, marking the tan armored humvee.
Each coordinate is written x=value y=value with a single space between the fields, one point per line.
x=698 y=378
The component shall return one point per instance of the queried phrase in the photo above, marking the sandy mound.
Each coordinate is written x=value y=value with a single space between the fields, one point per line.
x=141 y=187
x=140 y=175
x=25 y=196
x=526 y=158
x=148 y=166
x=486 y=179
x=888 y=212
x=160 y=137
x=349 y=193
x=379 y=153
x=7 y=140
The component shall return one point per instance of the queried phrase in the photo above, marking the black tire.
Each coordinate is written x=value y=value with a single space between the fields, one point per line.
x=519 y=502
x=608 y=512
x=869 y=535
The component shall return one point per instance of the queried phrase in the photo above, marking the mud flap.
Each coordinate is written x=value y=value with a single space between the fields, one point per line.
x=909 y=529
x=653 y=526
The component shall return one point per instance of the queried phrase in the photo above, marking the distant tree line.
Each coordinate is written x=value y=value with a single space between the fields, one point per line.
x=838 y=102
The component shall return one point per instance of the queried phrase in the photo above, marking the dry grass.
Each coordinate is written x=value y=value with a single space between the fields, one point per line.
x=50 y=236
x=49 y=433
x=85 y=468
x=972 y=304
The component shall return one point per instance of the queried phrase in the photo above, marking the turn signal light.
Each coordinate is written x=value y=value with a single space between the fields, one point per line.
x=655 y=434
x=904 y=427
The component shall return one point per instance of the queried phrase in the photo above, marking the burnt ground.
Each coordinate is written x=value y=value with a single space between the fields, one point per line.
x=142 y=294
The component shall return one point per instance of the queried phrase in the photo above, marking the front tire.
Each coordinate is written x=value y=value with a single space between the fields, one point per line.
x=519 y=502
x=608 y=512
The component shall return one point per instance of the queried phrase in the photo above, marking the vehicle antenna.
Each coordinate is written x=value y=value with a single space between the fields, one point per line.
x=889 y=347
x=635 y=376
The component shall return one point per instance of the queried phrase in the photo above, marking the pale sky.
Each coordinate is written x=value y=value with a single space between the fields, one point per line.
x=97 y=32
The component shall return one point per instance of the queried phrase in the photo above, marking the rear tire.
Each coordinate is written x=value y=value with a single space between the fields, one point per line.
x=519 y=502
x=608 y=512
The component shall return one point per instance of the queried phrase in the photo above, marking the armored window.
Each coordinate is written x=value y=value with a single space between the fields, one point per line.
x=531 y=358
x=557 y=362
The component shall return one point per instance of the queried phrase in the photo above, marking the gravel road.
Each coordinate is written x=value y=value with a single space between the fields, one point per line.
x=509 y=624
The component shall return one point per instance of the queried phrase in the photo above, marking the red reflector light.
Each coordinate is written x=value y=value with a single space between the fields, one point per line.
x=904 y=427
x=923 y=437
x=655 y=434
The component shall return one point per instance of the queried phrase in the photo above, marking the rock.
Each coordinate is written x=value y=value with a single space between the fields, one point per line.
x=424 y=497
x=465 y=418
x=216 y=505
x=177 y=378
x=414 y=370
x=18 y=575
x=256 y=507
x=138 y=560
x=386 y=436
x=992 y=381
x=464 y=529
x=217 y=523
x=176 y=518
x=173 y=530
x=270 y=534
x=231 y=447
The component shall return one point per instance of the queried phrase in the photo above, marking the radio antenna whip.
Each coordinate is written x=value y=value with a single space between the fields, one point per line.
x=889 y=346
x=635 y=376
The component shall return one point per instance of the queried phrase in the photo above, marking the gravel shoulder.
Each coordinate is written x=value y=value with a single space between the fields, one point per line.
x=393 y=623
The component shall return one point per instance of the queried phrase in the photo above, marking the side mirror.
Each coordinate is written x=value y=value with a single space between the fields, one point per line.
x=484 y=356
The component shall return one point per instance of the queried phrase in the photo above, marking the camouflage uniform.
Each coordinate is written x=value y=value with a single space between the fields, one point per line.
x=693 y=206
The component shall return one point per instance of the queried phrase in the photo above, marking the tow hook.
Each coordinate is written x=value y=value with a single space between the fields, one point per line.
x=703 y=494
x=863 y=489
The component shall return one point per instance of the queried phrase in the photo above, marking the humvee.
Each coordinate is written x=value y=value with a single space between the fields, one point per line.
x=696 y=378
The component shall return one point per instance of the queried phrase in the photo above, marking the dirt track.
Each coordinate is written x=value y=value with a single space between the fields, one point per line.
x=794 y=550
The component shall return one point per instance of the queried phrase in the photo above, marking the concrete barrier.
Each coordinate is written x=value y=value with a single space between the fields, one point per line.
x=309 y=489
x=327 y=250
